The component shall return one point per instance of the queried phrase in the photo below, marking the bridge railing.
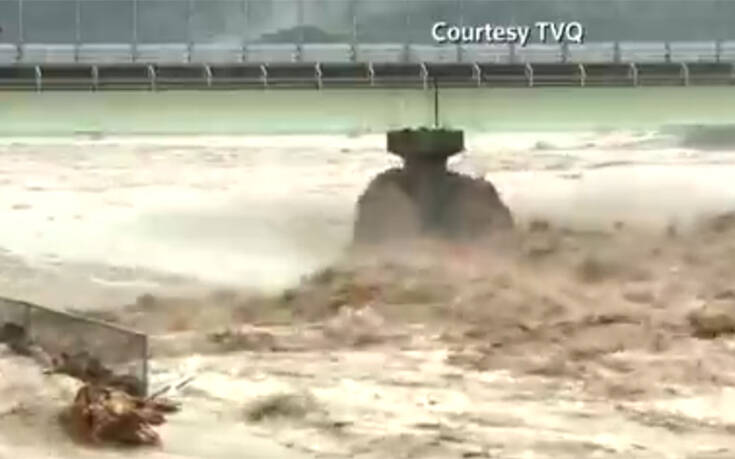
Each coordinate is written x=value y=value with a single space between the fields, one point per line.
x=229 y=53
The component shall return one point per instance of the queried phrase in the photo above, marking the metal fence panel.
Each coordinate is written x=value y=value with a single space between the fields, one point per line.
x=272 y=52
x=295 y=22
x=329 y=21
x=217 y=21
x=592 y=52
x=421 y=18
x=433 y=53
x=380 y=52
x=727 y=51
x=8 y=53
x=98 y=53
x=373 y=25
x=274 y=22
x=9 y=14
x=56 y=332
x=106 y=21
x=328 y=52
x=168 y=53
x=214 y=53
x=540 y=53
x=50 y=21
x=162 y=21
x=693 y=51
x=495 y=53
x=654 y=52
x=61 y=53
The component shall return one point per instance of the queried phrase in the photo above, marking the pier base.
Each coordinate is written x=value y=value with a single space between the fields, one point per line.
x=424 y=199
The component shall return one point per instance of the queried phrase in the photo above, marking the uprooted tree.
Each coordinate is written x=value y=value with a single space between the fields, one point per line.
x=102 y=414
x=110 y=408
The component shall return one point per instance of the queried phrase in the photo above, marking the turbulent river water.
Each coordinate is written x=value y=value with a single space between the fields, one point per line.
x=262 y=211
x=108 y=196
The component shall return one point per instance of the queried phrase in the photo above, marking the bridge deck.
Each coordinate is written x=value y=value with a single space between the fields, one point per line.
x=92 y=77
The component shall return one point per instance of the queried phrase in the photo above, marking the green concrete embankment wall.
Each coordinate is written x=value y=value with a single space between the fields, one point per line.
x=357 y=111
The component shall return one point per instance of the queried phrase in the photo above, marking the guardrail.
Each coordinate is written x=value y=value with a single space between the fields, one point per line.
x=154 y=77
x=228 y=53
x=207 y=66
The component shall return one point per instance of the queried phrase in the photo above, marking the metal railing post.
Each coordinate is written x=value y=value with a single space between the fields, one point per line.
x=582 y=75
x=684 y=74
x=21 y=30
x=301 y=19
x=95 y=78
x=355 y=24
x=633 y=73
x=189 y=29
x=135 y=30
x=407 y=39
x=244 y=34
x=460 y=20
x=39 y=78
x=529 y=74
x=77 y=28
x=477 y=73
x=616 y=52
x=424 y=75
x=318 y=75
x=264 y=75
x=208 y=75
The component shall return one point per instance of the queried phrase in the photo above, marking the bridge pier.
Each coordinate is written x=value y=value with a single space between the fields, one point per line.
x=423 y=199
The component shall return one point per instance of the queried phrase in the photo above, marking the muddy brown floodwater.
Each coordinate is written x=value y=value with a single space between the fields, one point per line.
x=603 y=331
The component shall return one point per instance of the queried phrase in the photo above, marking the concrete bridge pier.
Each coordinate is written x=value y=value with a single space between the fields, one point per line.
x=425 y=199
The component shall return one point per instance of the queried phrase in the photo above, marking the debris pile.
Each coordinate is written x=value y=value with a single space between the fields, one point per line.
x=89 y=369
x=102 y=414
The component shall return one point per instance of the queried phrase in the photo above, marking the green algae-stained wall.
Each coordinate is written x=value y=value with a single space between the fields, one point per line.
x=359 y=111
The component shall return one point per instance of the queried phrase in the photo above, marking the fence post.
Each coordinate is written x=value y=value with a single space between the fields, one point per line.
x=77 y=28
x=21 y=30
x=189 y=29
x=460 y=19
x=244 y=33
x=353 y=13
x=135 y=30
x=301 y=20
x=407 y=39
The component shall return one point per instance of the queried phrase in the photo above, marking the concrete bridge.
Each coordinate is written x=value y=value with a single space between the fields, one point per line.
x=38 y=66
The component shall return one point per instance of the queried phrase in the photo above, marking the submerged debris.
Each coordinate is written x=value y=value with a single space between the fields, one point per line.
x=102 y=414
x=297 y=405
x=713 y=319
x=89 y=369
